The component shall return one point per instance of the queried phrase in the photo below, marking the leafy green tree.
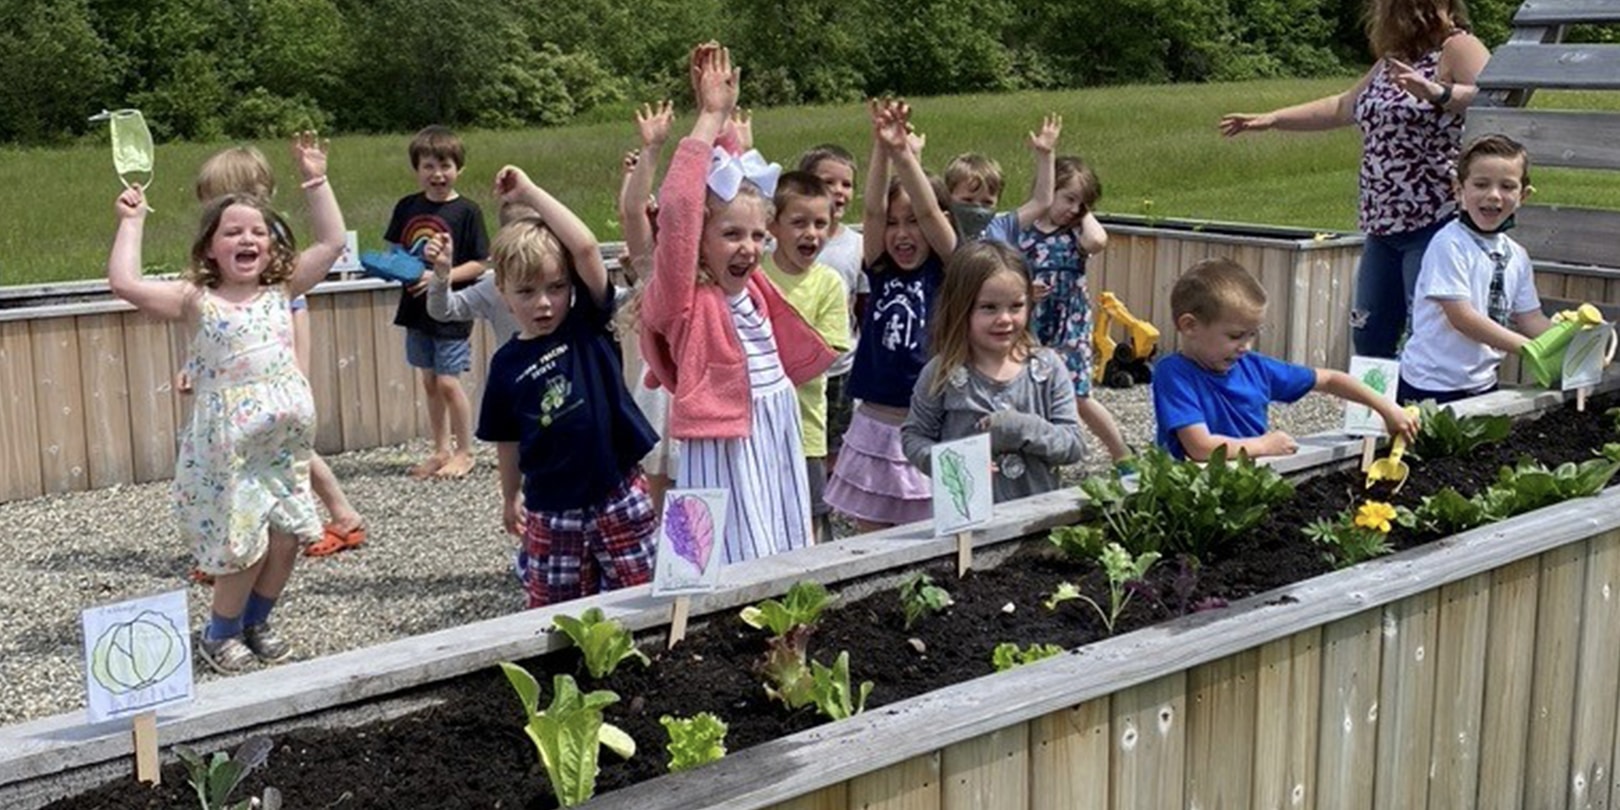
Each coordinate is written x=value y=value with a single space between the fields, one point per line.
x=56 y=67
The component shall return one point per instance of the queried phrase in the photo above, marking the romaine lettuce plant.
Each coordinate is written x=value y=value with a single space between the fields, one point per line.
x=603 y=642
x=1007 y=655
x=831 y=692
x=569 y=733
x=801 y=607
x=694 y=740
x=919 y=596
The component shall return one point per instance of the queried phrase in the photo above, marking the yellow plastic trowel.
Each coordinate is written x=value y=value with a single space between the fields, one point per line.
x=1392 y=467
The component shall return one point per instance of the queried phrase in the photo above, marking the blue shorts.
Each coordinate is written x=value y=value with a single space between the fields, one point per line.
x=447 y=357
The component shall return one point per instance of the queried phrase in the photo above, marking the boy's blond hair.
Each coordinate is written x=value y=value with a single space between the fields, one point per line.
x=972 y=172
x=438 y=142
x=524 y=249
x=238 y=170
x=1214 y=287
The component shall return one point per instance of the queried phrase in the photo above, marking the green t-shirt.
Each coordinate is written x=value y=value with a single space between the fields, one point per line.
x=822 y=300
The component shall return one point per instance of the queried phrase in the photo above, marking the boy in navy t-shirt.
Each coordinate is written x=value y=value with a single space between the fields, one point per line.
x=1214 y=392
x=569 y=437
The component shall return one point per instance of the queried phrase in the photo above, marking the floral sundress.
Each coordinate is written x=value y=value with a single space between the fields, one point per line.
x=243 y=465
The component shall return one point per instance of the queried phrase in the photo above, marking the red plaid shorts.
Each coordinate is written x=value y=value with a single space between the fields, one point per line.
x=572 y=551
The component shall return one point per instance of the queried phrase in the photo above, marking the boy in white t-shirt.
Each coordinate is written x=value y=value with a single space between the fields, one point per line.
x=1476 y=298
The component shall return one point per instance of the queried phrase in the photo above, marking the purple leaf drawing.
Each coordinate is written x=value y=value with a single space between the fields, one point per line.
x=691 y=530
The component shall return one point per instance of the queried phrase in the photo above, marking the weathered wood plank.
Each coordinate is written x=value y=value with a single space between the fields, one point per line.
x=990 y=772
x=1558 y=640
x=1150 y=728
x=59 y=404
x=150 y=372
x=1563 y=12
x=1567 y=67
x=835 y=797
x=1221 y=704
x=1288 y=685
x=1406 y=701
x=357 y=370
x=19 y=417
x=323 y=375
x=1572 y=235
x=1459 y=673
x=1509 y=661
x=909 y=785
x=1597 y=677
x=1351 y=654
x=397 y=382
x=1069 y=757
x=106 y=399
x=1579 y=140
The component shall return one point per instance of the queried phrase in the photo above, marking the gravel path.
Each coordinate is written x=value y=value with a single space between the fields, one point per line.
x=436 y=558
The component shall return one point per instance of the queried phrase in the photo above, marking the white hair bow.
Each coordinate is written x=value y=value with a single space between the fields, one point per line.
x=727 y=171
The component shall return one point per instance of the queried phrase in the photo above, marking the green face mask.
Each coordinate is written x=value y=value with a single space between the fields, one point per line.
x=132 y=149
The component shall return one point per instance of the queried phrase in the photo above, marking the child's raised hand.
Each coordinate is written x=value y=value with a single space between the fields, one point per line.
x=653 y=122
x=511 y=183
x=309 y=154
x=1045 y=141
x=438 y=252
x=131 y=203
x=717 y=82
x=892 y=126
x=742 y=123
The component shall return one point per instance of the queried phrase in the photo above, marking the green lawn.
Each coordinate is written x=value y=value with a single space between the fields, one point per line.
x=1155 y=148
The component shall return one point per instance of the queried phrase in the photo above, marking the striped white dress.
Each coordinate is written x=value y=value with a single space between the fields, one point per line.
x=769 y=509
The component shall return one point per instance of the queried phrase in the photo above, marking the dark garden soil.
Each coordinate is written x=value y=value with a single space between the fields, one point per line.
x=470 y=751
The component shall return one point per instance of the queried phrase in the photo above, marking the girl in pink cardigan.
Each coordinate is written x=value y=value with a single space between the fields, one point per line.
x=719 y=336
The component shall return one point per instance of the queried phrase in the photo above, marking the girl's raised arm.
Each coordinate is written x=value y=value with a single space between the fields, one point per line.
x=936 y=227
x=653 y=123
x=875 y=196
x=309 y=154
x=1043 y=145
x=512 y=185
x=163 y=299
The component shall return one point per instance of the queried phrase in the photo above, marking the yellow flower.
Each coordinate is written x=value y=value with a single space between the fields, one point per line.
x=1375 y=515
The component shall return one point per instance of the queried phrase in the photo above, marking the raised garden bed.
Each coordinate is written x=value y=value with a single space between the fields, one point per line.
x=472 y=740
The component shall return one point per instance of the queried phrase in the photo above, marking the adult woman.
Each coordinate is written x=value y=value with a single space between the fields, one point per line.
x=1409 y=107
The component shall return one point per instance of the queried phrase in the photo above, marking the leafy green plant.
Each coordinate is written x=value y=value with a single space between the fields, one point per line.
x=694 y=740
x=1442 y=433
x=786 y=667
x=1007 y=655
x=1518 y=489
x=1614 y=417
x=604 y=642
x=569 y=733
x=797 y=682
x=1185 y=507
x=801 y=607
x=1445 y=512
x=216 y=777
x=1083 y=542
x=919 y=596
x=1121 y=570
x=831 y=692
x=1355 y=536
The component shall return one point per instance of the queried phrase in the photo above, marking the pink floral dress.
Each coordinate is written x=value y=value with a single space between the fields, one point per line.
x=243 y=467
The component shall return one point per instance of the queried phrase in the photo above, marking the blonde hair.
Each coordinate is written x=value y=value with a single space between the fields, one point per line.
x=522 y=251
x=283 y=253
x=1214 y=287
x=713 y=205
x=1408 y=29
x=974 y=170
x=237 y=170
x=966 y=273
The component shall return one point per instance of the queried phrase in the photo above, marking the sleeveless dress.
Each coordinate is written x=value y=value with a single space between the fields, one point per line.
x=243 y=465
x=1409 y=151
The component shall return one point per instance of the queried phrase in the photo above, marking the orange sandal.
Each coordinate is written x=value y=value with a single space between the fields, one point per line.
x=335 y=539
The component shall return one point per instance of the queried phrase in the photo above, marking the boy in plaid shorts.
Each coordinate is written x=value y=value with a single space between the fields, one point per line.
x=569 y=436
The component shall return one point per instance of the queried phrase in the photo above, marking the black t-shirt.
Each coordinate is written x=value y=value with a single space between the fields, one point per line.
x=562 y=398
x=415 y=220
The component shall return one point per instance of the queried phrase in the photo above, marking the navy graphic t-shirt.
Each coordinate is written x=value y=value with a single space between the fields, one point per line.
x=894 y=331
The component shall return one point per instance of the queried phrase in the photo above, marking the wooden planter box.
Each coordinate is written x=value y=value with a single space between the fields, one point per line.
x=1482 y=670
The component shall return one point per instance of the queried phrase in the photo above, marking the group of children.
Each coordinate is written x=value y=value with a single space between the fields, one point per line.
x=759 y=345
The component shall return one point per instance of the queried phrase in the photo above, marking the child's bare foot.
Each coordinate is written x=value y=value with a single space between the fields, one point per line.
x=430 y=466
x=458 y=466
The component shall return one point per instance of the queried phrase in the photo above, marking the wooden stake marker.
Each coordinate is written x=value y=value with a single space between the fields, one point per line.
x=147 y=765
x=964 y=553
x=678 y=614
x=1369 y=450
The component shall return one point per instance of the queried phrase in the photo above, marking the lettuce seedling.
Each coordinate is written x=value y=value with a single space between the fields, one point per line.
x=1121 y=570
x=1445 y=512
x=1007 y=655
x=919 y=596
x=604 y=642
x=788 y=676
x=569 y=733
x=831 y=691
x=801 y=607
x=1083 y=542
x=216 y=777
x=694 y=740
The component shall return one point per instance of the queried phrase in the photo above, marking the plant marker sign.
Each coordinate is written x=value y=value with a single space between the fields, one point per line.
x=1381 y=375
x=137 y=659
x=691 y=543
x=963 y=497
x=349 y=261
x=1588 y=352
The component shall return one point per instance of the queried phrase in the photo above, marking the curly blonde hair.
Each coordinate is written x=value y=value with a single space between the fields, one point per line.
x=283 y=253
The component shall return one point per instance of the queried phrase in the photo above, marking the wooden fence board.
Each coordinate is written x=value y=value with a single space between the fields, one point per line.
x=1597 y=677
x=20 y=468
x=1560 y=599
x=835 y=797
x=106 y=399
x=1579 y=140
x=180 y=337
x=1274 y=271
x=987 y=773
x=323 y=375
x=59 y=400
x=150 y=372
x=1221 y=705
x=1567 y=234
x=1068 y=753
x=1349 y=712
x=1406 y=701
x=910 y=785
x=357 y=371
x=1171 y=263
x=1459 y=672
x=397 y=382
x=1149 y=727
x=1288 y=684
x=1546 y=67
x=1509 y=661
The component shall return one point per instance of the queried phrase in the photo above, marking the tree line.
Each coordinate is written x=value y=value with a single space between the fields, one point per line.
x=206 y=69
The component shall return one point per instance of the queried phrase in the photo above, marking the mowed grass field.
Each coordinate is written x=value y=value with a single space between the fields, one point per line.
x=1155 y=149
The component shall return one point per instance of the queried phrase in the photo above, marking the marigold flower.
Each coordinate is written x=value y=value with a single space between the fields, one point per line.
x=1375 y=515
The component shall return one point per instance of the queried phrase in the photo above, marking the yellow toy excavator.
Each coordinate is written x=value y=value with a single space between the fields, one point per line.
x=1119 y=365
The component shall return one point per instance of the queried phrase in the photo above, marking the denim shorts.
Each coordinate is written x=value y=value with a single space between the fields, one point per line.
x=445 y=356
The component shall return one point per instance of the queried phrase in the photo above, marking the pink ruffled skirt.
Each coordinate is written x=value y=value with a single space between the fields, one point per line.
x=873 y=480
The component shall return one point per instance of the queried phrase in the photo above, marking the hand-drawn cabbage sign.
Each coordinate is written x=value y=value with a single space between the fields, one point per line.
x=136 y=654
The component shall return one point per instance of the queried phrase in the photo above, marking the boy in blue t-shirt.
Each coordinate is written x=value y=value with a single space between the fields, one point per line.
x=569 y=438
x=1214 y=392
